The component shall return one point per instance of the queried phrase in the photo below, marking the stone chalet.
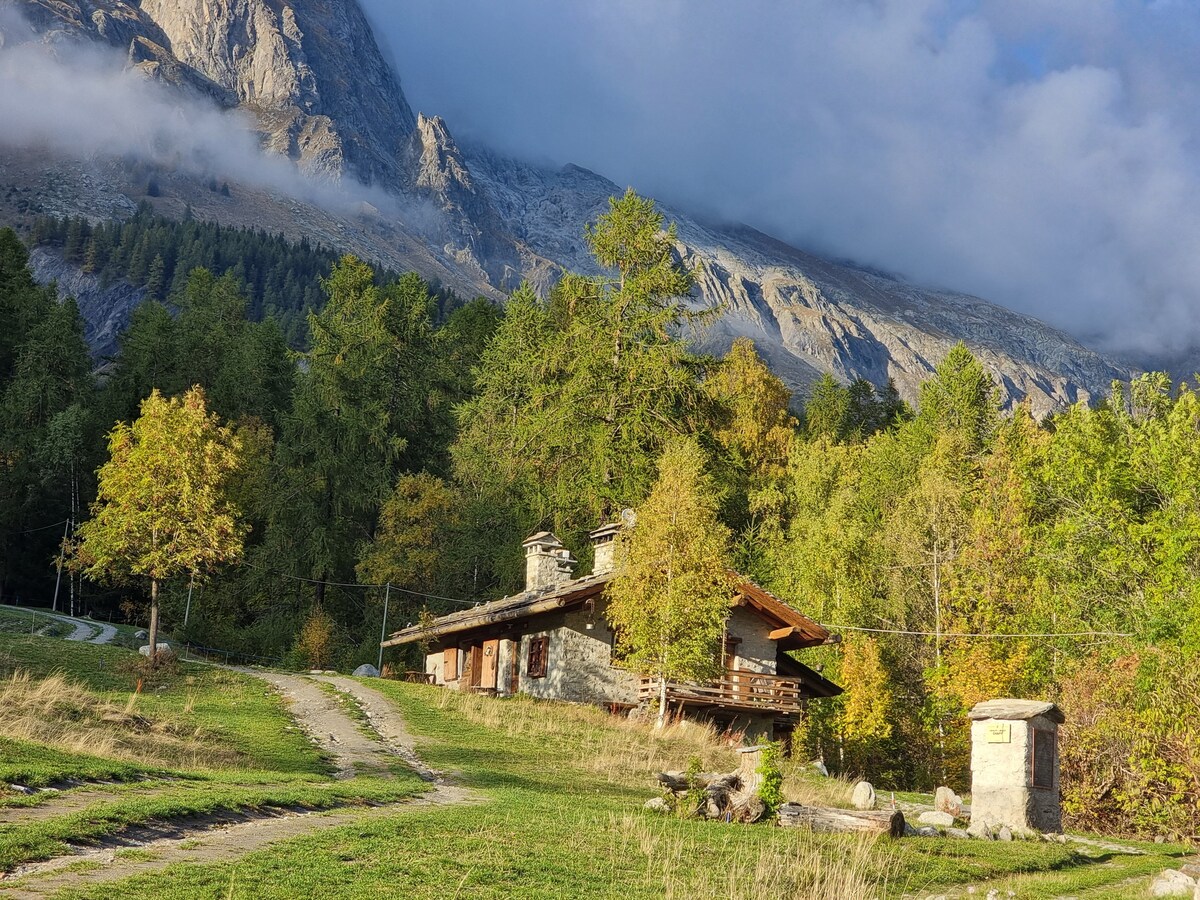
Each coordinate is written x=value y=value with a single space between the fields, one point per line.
x=553 y=641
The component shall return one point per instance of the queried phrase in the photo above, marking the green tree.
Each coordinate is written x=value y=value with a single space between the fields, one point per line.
x=673 y=594
x=161 y=509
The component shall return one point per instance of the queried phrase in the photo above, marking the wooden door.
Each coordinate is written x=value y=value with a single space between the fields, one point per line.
x=474 y=665
x=491 y=659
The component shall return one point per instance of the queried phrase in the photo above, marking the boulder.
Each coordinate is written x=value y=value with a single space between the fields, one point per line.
x=366 y=670
x=1173 y=883
x=657 y=805
x=141 y=634
x=819 y=768
x=163 y=647
x=945 y=820
x=928 y=831
x=1004 y=834
x=979 y=830
x=945 y=800
x=864 y=796
x=959 y=833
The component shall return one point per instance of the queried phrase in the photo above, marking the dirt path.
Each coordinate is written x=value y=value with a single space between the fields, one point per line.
x=210 y=841
x=107 y=633
x=83 y=631
x=385 y=722
x=224 y=837
x=326 y=722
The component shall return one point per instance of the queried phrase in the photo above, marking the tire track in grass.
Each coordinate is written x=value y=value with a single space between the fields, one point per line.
x=226 y=836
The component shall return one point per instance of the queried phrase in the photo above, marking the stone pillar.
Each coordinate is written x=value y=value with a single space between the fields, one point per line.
x=1014 y=766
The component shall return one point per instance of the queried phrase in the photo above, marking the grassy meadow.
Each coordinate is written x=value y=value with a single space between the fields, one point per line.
x=558 y=801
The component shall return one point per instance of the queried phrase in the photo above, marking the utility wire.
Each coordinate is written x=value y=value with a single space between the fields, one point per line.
x=980 y=634
x=346 y=584
x=42 y=528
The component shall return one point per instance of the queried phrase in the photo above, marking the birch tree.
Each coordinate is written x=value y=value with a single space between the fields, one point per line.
x=162 y=509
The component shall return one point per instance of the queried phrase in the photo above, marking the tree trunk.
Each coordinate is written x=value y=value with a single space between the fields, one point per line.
x=821 y=819
x=153 y=621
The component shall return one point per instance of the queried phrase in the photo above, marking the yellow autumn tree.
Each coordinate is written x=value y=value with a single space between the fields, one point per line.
x=671 y=599
x=162 y=507
x=866 y=714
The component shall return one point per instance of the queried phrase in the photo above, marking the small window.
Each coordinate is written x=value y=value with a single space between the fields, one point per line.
x=538 y=648
x=449 y=664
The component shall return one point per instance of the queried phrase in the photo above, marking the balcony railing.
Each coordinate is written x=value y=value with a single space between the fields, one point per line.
x=735 y=689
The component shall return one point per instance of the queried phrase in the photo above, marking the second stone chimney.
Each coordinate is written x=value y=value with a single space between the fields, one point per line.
x=547 y=562
x=604 y=548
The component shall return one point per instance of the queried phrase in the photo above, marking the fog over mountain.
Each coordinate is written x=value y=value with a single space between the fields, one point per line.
x=1039 y=154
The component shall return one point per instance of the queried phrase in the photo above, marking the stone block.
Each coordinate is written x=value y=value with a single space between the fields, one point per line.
x=934 y=817
x=945 y=800
x=1173 y=883
x=864 y=796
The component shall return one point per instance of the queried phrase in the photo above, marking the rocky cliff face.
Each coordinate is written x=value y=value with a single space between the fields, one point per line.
x=311 y=73
x=309 y=70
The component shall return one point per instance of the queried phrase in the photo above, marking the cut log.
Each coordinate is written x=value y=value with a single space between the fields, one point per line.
x=826 y=820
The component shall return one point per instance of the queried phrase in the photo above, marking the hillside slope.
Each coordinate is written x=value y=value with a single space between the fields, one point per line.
x=313 y=77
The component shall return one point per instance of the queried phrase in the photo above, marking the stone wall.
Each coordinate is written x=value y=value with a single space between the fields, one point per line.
x=756 y=652
x=578 y=663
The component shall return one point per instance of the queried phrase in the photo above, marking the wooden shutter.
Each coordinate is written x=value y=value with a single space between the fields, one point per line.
x=450 y=664
x=538 y=647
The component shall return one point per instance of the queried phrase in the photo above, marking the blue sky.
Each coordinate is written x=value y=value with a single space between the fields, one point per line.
x=1040 y=153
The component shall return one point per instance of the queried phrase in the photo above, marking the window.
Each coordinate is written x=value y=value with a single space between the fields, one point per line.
x=538 y=651
x=450 y=664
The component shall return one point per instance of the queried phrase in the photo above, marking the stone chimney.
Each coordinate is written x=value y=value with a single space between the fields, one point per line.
x=547 y=561
x=604 y=547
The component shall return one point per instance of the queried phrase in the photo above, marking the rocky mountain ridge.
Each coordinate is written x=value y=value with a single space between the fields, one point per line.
x=312 y=75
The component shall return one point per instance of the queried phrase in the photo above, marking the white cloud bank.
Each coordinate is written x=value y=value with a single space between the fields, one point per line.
x=1040 y=153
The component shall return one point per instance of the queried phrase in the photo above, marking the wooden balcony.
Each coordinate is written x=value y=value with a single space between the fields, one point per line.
x=736 y=689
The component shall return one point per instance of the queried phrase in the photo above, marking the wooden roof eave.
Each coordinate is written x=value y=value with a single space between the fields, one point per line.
x=457 y=623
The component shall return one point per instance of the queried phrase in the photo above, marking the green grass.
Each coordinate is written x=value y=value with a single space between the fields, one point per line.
x=560 y=793
x=49 y=838
x=555 y=823
x=36 y=765
x=226 y=740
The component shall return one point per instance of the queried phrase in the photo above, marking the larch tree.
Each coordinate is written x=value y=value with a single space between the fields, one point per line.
x=162 y=508
x=669 y=603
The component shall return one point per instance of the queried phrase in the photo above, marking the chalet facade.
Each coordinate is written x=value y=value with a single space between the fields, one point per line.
x=554 y=641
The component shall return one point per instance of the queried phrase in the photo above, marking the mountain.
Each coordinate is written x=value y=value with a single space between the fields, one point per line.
x=321 y=94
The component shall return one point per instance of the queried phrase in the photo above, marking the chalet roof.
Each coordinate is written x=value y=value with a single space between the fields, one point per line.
x=818 y=684
x=792 y=629
x=506 y=609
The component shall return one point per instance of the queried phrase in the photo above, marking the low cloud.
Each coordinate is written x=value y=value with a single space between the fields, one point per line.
x=1042 y=155
x=81 y=100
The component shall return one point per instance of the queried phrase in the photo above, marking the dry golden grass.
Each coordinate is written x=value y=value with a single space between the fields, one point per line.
x=57 y=712
x=630 y=750
x=780 y=864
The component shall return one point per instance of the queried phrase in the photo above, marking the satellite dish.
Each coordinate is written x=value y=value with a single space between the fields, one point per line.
x=628 y=517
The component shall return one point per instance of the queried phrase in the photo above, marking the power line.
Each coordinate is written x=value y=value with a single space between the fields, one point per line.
x=42 y=528
x=346 y=584
x=979 y=634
